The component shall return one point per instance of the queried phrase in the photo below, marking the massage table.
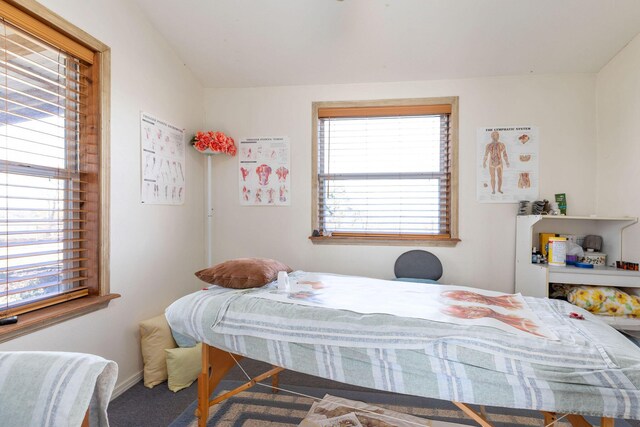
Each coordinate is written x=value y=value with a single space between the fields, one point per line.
x=588 y=370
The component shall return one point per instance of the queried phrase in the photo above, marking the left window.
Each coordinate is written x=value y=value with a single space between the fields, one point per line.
x=53 y=204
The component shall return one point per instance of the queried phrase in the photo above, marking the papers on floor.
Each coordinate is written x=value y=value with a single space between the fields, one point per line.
x=334 y=411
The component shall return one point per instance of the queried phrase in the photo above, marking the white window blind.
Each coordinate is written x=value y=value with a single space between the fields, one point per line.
x=382 y=173
x=43 y=209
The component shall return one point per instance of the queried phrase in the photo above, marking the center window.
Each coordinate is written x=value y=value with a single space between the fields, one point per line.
x=386 y=172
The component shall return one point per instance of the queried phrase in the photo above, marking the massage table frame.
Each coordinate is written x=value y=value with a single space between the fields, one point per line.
x=216 y=363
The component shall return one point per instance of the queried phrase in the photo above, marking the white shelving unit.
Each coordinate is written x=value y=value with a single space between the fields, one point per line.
x=534 y=279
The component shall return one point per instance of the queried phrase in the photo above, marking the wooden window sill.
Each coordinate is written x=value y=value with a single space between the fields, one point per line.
x=39 y=319
x=387 y=241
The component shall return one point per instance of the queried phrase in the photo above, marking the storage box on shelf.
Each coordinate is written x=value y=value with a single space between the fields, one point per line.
x=534 y=279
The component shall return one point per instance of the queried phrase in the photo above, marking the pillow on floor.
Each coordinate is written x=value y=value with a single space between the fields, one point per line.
x=243 y=273
x=155 y=337
x=183 y=366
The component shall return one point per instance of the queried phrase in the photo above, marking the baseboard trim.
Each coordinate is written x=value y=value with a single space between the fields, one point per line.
x=126 y=384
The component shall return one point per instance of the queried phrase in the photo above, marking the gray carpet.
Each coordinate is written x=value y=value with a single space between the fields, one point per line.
x=159 y=407
x=258 y=407
x=156 y=407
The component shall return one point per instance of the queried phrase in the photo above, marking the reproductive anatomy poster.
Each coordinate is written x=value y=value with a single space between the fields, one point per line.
x=507 y=164
x=264 y=171
x=163 y=167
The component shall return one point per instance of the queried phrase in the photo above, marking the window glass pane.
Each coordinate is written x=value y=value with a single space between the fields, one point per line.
x=384 y=175
x=31 y=142
x=32 y=232
x=382 y=205
x=381 y=144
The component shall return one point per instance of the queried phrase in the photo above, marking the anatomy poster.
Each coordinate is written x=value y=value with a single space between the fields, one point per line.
x=507 y=164
x=264 y=171
x=449 y=304
x=163 y=154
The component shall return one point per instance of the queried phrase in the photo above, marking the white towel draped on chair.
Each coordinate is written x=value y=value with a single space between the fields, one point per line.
x=52 y=389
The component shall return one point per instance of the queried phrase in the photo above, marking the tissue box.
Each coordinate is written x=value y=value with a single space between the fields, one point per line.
x=597 y=259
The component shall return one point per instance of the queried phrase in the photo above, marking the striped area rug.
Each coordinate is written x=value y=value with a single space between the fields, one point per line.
x=258 y=407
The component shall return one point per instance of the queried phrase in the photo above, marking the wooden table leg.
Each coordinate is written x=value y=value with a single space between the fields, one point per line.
x=215 y=365
x=578 y=421
x=275 y=383
x=85 y=421
x=476 y=416
x=549 y=418
x=202 y=410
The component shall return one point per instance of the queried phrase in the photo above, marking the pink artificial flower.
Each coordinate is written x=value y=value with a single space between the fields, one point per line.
x=215 y=141
x=201 y=145
x=215 y=145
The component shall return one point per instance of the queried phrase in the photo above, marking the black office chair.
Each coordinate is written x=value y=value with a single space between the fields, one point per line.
x=419 y=265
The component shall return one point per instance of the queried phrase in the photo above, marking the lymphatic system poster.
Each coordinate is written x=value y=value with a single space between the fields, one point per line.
x=507 y=164
x=163 y=154
x=264 y=171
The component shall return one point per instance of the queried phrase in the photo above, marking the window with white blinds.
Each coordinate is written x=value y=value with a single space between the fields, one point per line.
x=385 y=172
x=47 y=201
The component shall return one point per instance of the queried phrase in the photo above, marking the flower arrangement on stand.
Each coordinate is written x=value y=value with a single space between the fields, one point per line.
x=214 y=143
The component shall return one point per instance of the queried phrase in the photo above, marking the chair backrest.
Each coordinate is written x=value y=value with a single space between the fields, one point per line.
x=418 y=264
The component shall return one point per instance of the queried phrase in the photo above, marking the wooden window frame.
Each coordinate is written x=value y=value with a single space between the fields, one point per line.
x=380 y=107
x=32 y=17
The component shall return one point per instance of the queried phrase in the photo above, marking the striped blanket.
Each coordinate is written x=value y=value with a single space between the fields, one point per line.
x=591 y=370
x=51 y=389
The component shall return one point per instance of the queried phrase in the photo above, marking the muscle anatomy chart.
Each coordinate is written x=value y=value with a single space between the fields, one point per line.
x=507 y=164
x=163 y=154
x=264 y=173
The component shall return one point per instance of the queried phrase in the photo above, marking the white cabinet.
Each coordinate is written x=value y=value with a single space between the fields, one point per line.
x=534 y=279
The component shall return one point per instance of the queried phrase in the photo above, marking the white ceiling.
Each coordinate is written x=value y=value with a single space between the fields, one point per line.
x=246 y=43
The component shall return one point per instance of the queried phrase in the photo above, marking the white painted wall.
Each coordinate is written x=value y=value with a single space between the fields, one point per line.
x=154 y=249
x=561 y=105
x=618 y=142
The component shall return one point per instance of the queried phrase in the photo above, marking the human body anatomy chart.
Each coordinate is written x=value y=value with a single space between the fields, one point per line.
x=163 y=154
x=264 y=171
x=507 y=164
x=448 y=304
